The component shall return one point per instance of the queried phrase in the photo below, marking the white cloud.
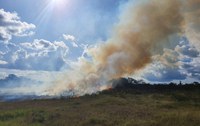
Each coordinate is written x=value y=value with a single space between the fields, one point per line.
x=71 y=39
x=11 y=25
x=180 y=63
x=60 y=44
x=37 y=55
x=74 y=44
x=3 y=62
x=187 y=50
x=159 y=72
x=39 y=44
x=44 y=45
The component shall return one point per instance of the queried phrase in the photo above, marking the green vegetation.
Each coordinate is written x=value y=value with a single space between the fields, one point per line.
x=127 y=107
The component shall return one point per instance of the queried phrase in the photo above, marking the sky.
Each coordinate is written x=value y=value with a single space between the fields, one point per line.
x=42 y=39
x=64 y=23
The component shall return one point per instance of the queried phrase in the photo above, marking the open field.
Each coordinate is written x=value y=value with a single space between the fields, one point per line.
x=126 y=107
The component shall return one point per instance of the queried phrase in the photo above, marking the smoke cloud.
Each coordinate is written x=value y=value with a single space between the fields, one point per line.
x=192 y=22
x=144 y=30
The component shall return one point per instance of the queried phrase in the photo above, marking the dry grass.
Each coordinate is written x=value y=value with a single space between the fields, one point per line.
x=112 y=108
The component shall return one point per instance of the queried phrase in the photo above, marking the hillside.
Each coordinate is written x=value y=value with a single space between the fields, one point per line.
x=140 y=105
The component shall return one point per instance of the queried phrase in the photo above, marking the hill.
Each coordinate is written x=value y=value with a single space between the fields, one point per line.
x=15 y=81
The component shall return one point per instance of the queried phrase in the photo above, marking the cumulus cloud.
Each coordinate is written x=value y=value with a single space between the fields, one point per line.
x=180 y=63
x=11 y=25
x=161 y=73
x=192 y=68
x=37 y=55
x=3 y=62
x=71 y=39
x=187 y=50
x=44 y=45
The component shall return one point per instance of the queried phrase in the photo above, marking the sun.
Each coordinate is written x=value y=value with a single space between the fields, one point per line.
x=59 y=3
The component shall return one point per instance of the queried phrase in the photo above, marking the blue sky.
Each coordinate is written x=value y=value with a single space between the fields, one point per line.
x=47 y=36
x=88 y=21
x=94 y=18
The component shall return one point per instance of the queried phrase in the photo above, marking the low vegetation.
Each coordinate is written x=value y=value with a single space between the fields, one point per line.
x=117 y=107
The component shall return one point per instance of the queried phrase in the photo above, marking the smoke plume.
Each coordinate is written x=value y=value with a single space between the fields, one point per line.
x=144 y=30
x=192 y=22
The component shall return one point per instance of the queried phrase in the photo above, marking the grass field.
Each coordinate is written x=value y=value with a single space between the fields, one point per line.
x=128 y=107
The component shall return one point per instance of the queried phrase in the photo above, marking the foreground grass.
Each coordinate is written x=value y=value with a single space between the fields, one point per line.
x=126 y=107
